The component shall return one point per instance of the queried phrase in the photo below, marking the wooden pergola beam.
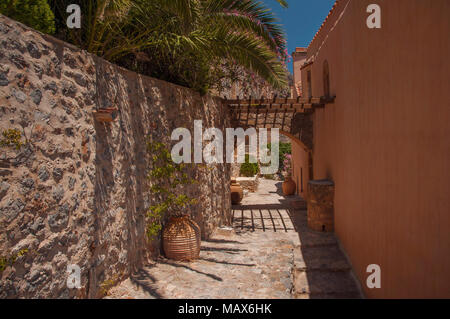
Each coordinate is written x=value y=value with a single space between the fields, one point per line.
x=260 y=102
x=276 y=101
x=272 y=113
x=268 y=111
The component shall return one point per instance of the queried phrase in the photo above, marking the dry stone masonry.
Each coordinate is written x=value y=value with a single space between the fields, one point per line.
x=249 y=183
x=76 y=192
x=321 y=205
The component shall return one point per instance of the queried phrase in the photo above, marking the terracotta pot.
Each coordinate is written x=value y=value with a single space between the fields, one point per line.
x=288 y=186
x=108 y=114
x=236 y=192
x=181 y=239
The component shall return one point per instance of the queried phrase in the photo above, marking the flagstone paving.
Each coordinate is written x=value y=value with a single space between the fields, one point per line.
x=268 y=253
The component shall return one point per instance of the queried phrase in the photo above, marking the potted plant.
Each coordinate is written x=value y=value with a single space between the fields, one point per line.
x=288 y=185
x=181 y=235
x=249 y=168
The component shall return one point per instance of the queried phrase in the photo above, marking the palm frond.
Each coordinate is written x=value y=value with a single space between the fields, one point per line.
x=283 y=3
x=248 y=52
x=247 y=15
x=183 y=40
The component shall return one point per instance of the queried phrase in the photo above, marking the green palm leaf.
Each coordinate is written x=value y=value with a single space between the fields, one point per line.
x=183 y=41
x=283 y=3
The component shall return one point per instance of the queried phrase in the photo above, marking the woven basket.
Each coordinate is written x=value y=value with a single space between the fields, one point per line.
x=181 y=239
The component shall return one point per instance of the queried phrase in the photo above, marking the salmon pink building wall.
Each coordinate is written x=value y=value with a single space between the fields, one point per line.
x=386 y=141
x=298 y=58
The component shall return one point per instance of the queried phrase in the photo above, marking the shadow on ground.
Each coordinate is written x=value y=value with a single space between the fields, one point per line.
x=320 y=268
x=268 y=253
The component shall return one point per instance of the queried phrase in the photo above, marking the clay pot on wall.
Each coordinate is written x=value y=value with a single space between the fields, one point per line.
x=181 y=239
x=236 y=192
x=288 y=186
x=107 y=114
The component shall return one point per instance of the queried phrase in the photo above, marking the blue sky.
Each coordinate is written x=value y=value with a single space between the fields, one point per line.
x=301 y=20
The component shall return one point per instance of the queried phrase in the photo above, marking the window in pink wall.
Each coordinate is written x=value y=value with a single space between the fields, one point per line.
x=326 y=79
x=301 y=179
x=308 y=83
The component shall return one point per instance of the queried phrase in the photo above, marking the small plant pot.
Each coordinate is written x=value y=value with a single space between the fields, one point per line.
x=108 y=114
x=288 y=186
x=236 y=192
x=181 y=239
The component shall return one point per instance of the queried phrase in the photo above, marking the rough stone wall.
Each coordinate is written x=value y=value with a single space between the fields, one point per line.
x=235 y=169
x=75 y=193
x=246 y=84
x=249 y=183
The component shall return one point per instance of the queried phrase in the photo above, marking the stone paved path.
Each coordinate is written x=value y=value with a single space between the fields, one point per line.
x=269 y=253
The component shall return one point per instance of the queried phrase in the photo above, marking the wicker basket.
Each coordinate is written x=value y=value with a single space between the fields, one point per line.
x=181 y=239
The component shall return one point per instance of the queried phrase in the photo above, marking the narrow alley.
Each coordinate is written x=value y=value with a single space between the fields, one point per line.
x=269 y=253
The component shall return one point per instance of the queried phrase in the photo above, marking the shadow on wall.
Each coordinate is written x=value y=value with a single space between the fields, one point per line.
x=120 y=177
x=148 y=109
x=90 y=177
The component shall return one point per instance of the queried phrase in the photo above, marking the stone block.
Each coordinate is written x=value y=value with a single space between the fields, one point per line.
x=321 y=205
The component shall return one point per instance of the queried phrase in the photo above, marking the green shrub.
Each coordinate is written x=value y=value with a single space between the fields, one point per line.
x=284 y=148
x=248 y=169
x=34 y=13
x=184 y=42
x=6 y=261
x=12 y=137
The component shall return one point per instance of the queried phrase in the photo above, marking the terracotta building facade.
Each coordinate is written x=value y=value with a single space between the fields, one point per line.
x=385 y=141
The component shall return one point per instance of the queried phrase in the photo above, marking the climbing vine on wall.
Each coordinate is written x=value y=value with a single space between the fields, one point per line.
x=166 y=179
x=9 y=260
x=11 y=137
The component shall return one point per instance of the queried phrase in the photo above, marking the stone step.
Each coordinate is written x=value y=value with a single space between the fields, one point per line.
x=314 y=239
x=317 y=284
x=324 y=257
x=307 y=236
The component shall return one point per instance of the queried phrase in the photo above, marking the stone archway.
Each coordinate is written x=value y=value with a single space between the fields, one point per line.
x=293 y=118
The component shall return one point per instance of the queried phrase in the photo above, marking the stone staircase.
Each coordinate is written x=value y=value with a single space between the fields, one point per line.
x=320 y=268
x=325 y=275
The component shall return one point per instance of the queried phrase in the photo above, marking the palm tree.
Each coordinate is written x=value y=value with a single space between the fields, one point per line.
x=283 y=3
x=185 y=41
x=101 y=22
